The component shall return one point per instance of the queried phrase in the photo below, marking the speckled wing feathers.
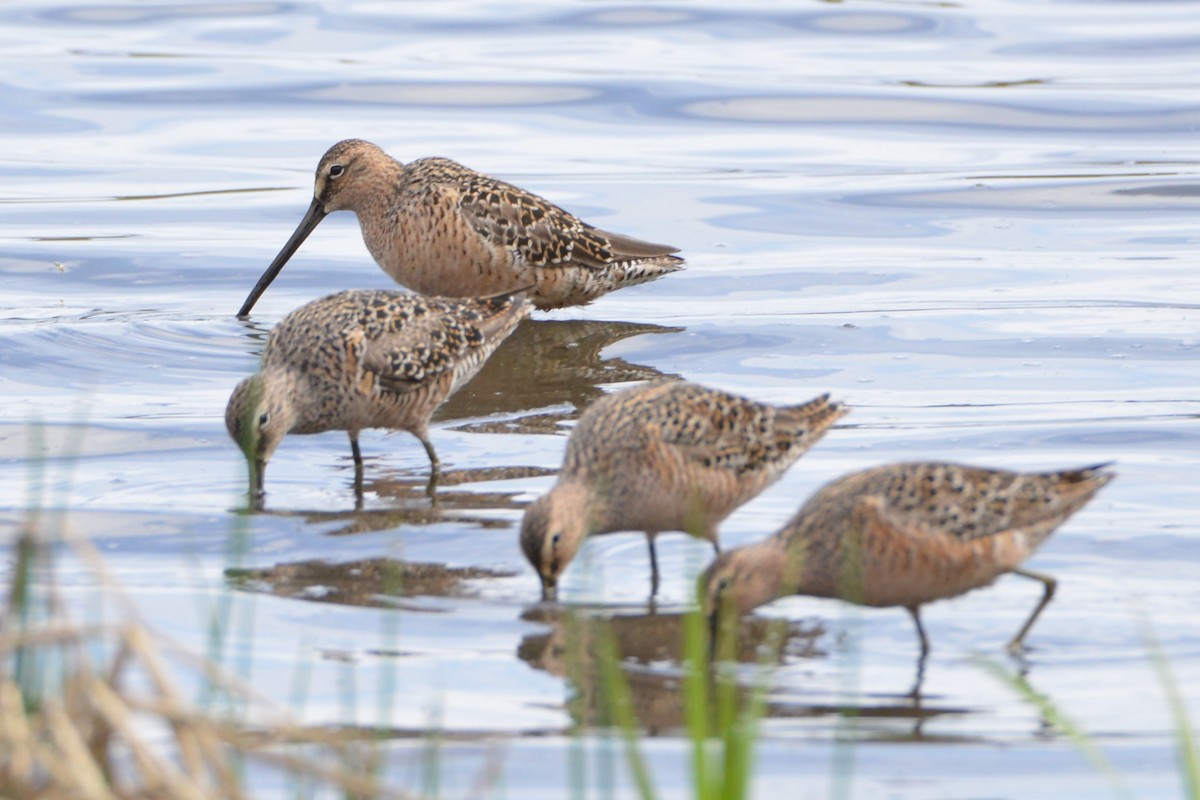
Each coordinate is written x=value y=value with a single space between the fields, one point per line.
x=969 y=503
x=411 y=345
x=543 y=234
x=723 y=431
x=400 y=340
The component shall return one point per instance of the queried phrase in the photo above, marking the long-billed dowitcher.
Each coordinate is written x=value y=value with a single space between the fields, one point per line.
x=365 y=359
x=665 y=457
x=440 y=228
x=905 y=535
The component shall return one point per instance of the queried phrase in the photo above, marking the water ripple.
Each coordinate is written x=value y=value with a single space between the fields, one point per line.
x=1047 y=116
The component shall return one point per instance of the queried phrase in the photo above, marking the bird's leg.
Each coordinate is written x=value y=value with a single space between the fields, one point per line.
x=653 y=566
x=358 y=469
x=1050 y=584
x=915 y=612
x=435 y=466
x=915 y=692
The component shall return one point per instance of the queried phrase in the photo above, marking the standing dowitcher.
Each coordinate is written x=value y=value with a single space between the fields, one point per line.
x=665 y=457
x=440 y=228
x=365 y=359
x=905 y=535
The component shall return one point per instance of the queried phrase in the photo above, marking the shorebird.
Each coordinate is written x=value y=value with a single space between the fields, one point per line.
x=365 y=359
x=440 y=228
x=905 y=535
x=665 y=457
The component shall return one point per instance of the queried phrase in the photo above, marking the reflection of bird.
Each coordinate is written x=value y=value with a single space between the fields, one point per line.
x=372 y=582
x=904 y=535
x=548 y=363
x=364 y=359
x=665 y=457
x=574 y=646
x=465 y=505
x=440 y=228
x=408 y=502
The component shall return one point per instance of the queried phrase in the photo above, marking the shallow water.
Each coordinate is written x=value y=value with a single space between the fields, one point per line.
x=975 y=223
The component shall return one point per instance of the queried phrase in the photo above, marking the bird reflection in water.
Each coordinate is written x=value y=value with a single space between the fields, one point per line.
x=544 y=365
x=371 y=582
x=649 y=649
x=407 y=503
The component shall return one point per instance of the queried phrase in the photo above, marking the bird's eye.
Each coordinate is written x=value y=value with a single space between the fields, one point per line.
x=263 y=419
x=722 y=585
x=555 y=539
x=336 y=170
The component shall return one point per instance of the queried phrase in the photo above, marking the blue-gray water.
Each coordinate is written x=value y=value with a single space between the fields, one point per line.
x=976 y=223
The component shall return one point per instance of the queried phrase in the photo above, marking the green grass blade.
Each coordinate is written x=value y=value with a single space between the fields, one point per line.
x=695 y=699
x=577 y=706
x=619 y=703
x=1189 y=761
x=725 y=688
x=739 y=743
x=1063 y=724
x=431 y=759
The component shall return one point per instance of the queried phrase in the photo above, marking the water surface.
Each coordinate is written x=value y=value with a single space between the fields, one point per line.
x=975 y=223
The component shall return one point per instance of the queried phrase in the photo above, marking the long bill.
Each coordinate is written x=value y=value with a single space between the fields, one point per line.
x=312 y=218
x=258 y=492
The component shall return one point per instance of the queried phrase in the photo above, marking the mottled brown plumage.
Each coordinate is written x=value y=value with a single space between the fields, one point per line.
x=440 y=228
x=905 y=535
x=365 y=359
x=665 y=457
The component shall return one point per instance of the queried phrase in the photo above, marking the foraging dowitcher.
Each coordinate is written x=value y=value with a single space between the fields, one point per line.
x=905 y=535
x=665 y=457
x=365 y=359
x=440 y=228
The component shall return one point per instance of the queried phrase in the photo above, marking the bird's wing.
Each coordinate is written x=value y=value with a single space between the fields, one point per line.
x=967 y=503
x=542 y=233
x=716 y=430
x=429 y=336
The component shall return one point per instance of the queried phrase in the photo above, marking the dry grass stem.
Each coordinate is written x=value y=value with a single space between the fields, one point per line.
x=120 y=729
